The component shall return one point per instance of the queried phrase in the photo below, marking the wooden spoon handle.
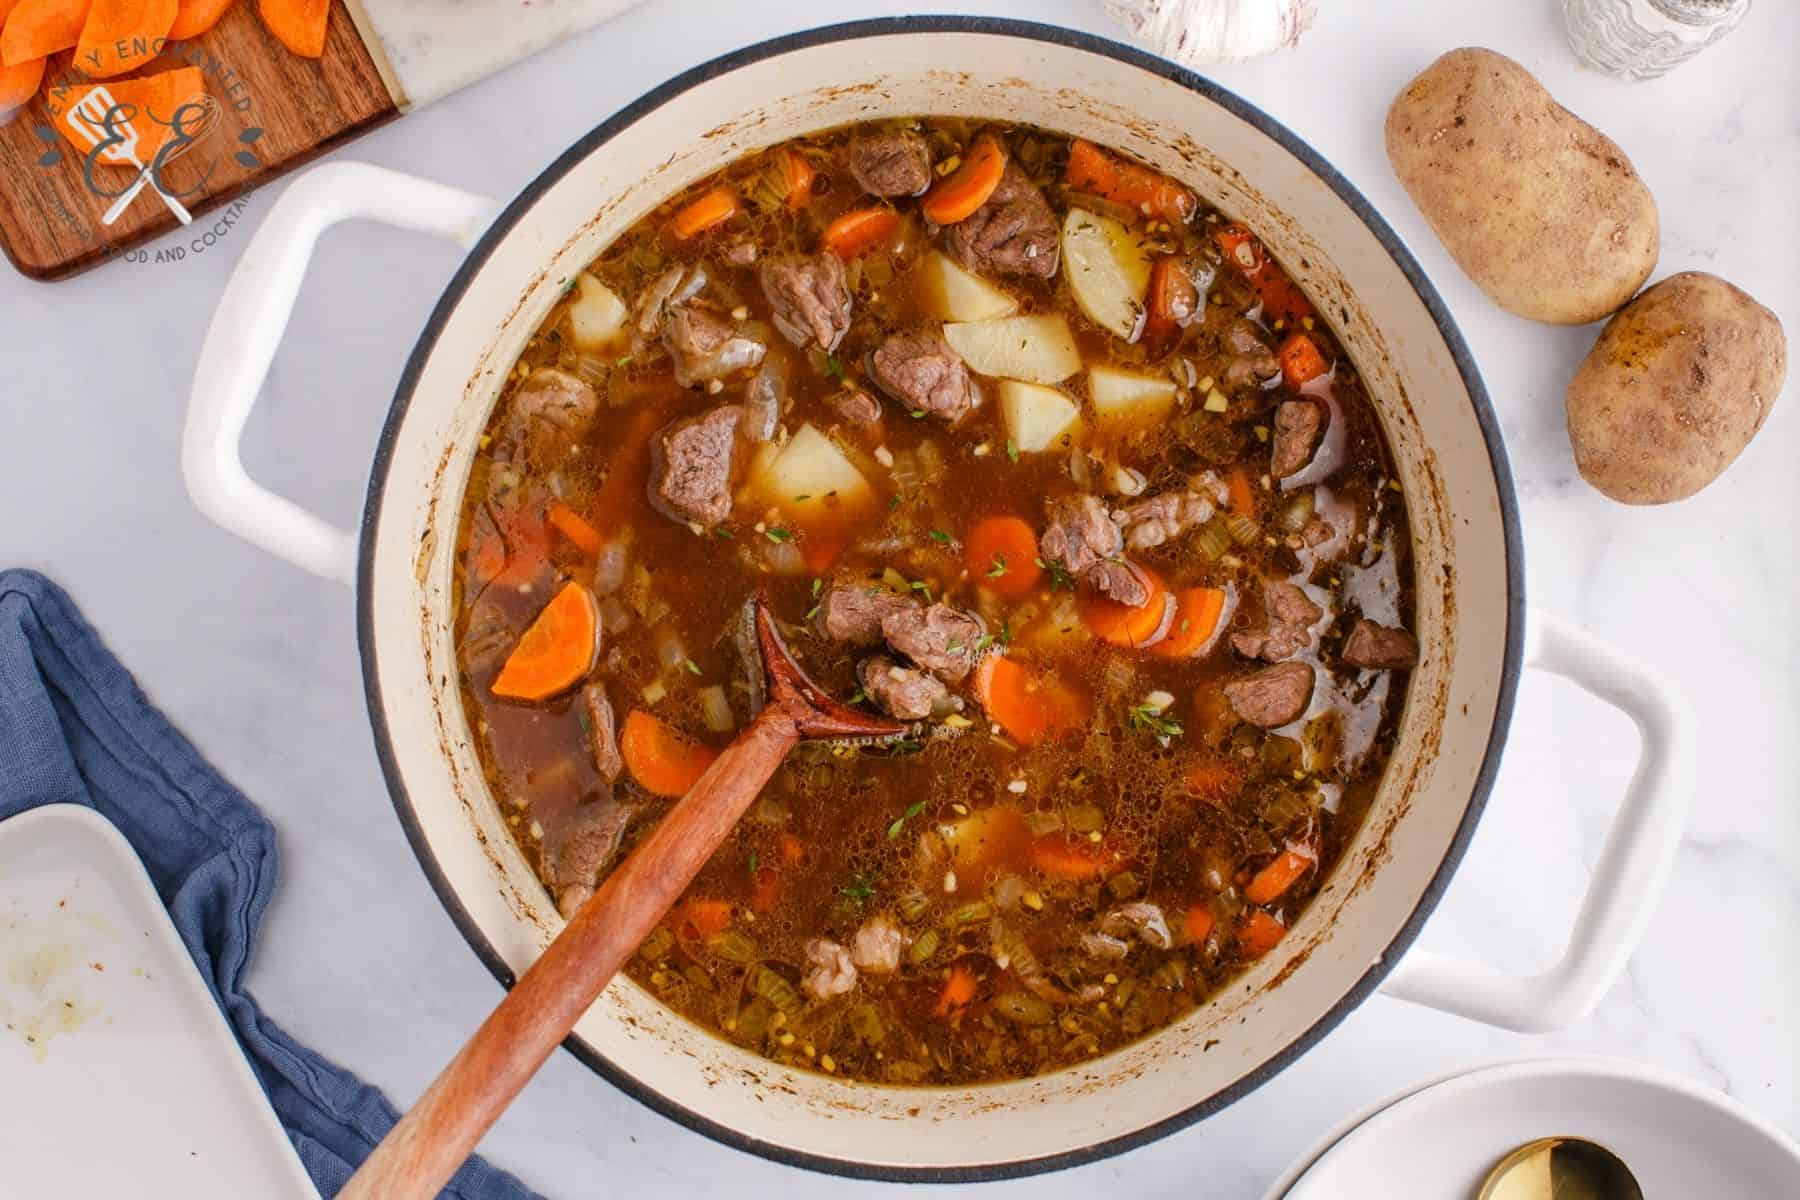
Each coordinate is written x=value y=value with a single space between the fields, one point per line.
x=419 y=1154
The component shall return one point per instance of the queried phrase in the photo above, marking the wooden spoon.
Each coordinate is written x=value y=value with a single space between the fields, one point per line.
x=430 y=1142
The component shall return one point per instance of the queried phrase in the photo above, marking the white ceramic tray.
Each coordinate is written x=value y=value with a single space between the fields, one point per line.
x=118 y=1074
x=1440 y=1139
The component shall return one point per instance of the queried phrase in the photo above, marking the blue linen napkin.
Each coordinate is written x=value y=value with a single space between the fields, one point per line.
x=75 y=729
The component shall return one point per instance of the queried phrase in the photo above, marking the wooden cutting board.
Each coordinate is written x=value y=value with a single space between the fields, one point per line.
x=278 y=111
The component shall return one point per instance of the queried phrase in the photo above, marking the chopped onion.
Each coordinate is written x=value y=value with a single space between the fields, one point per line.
x=715 y=710
x=670 y=653
x=1298 y=512
x=615 y=618
x=654 y=692
x=637 y=590
x=1078 y=468
x=609 y=568
x=784 y=558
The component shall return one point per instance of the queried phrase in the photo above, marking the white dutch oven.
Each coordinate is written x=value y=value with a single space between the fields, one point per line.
x=1471 y=614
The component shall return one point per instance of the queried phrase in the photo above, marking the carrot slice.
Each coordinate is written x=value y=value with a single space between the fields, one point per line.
x=557 y=651
x=1197 y=612
x=195 y=17
x=1067 y=858
x=1211 y=779
x=1001 y=554
x=1133 y=185
x=968 y=187
x=1273 y=881
x=859 y=229
x=958 y=991
x=575 y=527
x=297 y=24
x=1301 y=362
x=1174 y=300
x=702 y=917
x=120 y=35
x=1240 y=497
x=1028 y=706
x=665 y=761
x=19 y=84
x=35 y=28
x=1283 y=303
x=706 y=212
x=1125 y=626
x=799 y=175
x=1258 y=932
x=1198 y=924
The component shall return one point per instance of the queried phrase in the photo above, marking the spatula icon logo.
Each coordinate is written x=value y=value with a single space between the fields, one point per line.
x=115 y=132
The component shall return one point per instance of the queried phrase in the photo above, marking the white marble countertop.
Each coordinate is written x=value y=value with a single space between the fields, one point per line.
x=257 y=662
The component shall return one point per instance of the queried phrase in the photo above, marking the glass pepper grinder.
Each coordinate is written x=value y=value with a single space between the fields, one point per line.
x=1642 y=39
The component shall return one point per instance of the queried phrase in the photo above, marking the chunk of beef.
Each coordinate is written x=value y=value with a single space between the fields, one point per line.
x=891 y=162
x=675 y=286
x=921 y=371
x=904 y=693
x=580 y=847
x=1299 y=425
x=1273 y=696
x=808 y=298
x=876 y=946
x=602 y=731
x=1248 y=359
x=1380 y=647
x=940 y=638
x=1104 y=946
x=1014 y=233
x=1079 y=532
x=706 y=345
x=853 y=608
x=552 y=409
x=1150 y=523
x=690 y=466
x=832 y=972
x=858 y=407
x=1119 y=580
x=1288 y=618
x=1143 y=920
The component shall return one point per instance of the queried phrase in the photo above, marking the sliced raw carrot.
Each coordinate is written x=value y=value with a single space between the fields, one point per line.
x=1029 y=706
x=959 y=990
x=702 y=917
x=1197 y=612
x=1212 y=779
x=1283 y=303
x=1075 y=860
x=558 y=650
x=799 y=175
x=708 y=211
x=121 y=35
x=859 y=229
x=1258 y=932
x=297 y=24
x=1240 y=495
x=195 y=17
x=1126 y=626
x=1130 y=184
x=1174 y=300
x=1001 y=555
x=1273 y=881
x=575 y=527
x=968 y=187
x=664 y=761
x=1197 y=924
x=35 y=28
x=19 y=84
x=1301 y=362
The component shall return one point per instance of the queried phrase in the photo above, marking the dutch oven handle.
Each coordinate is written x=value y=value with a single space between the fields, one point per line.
x=1629 y=875
x=251 y=318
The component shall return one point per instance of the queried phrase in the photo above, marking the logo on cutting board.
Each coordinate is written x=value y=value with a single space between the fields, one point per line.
x=126 y=135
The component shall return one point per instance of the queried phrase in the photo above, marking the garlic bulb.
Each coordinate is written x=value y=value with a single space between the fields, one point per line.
x=1213 y=31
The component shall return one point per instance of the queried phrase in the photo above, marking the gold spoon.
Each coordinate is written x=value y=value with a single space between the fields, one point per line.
x=1561 y=1168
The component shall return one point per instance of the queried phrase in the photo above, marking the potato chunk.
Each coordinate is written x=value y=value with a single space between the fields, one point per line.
x=1037 y=349
x=1128 y=399
x=1036 y=416
x=950 y=293
x=1107 y=270
x=597 y=316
